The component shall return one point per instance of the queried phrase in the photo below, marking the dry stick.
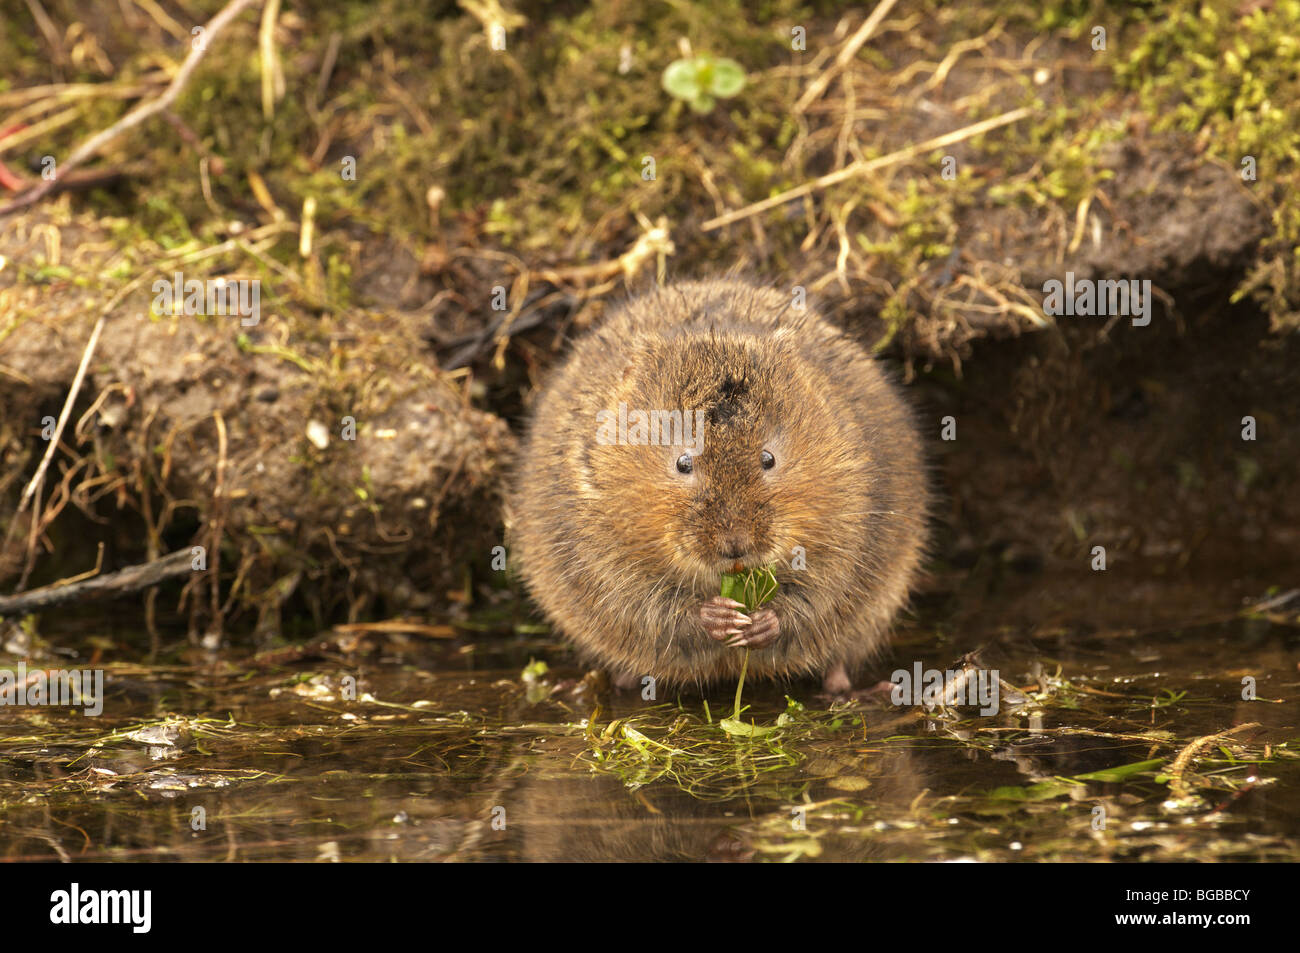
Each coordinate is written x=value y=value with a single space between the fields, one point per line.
x=39 y=476
x=47 y=27
x=131 y=579
x=1177 y=787
x=266 y=47
x=850 y=50
x=218 y=523
x=96 y=177
x=38 y=129
x=141 y=112
x=163 y=19
x=868 y=165
x=63 y=92
x=33 y=538
x=327 y=67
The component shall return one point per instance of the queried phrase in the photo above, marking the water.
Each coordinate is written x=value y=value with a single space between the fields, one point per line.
x=444 y=752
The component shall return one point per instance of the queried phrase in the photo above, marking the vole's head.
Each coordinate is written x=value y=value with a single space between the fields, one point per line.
x=730 y=453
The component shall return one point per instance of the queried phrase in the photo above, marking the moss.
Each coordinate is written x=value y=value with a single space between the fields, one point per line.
x=1231 y=79
x=540 y=147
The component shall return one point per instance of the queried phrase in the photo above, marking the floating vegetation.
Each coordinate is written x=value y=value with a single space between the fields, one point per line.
x=412 y=763
x=689 y=753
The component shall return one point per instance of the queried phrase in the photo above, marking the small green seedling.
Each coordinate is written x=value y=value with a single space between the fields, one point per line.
x=702 y=80
x=753 y=587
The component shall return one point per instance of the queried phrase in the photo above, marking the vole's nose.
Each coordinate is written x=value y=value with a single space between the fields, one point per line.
x=734 y=547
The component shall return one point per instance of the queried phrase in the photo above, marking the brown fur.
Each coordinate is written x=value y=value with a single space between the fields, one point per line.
x=619 y=549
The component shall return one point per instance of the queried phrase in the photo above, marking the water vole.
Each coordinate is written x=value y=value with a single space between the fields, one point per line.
x=701 y=426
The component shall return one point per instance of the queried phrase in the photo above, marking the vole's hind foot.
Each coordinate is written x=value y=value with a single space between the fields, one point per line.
x=836 y=682
x=721 y=620
x=766 y=627
x=626 y=681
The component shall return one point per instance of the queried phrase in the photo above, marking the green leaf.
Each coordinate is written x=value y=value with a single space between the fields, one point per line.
x=734 y=726
x=534 y=670
x=535 y=690
x=1119 y=773
x=728 y=79
x=1040 y=791
x=682 y=80
x=753 y=587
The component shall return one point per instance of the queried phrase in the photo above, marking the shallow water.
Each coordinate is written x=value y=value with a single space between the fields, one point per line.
x=446 y=753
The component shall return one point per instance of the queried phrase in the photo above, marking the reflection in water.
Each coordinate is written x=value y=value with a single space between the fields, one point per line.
x=443 y=757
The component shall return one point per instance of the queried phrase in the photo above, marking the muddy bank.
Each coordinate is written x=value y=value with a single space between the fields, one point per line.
x=336 y=461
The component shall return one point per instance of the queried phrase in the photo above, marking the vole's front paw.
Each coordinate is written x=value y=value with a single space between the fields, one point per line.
x=766 y=627
x=722 y=620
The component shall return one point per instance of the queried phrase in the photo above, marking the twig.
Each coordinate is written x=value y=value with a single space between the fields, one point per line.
x=398 y=626
x=39 y=477
x=272 y=80
x=327 y=67
x=850 y=50
x=141 y=112
x=217 y=523
x=20 y=137
x=131 y=579
x=50 y=31
x=1281 y=599
x=93 y=178
x=308 y=226
x=160 y=16
x=869 y=165
x=88 y=574
x=63 y=92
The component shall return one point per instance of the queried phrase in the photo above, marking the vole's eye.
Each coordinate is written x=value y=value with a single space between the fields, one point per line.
x=766 y=460
x=684 y=463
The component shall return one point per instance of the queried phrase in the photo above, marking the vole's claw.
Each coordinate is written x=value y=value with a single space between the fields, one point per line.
x=766 y=627
x=721 y=620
